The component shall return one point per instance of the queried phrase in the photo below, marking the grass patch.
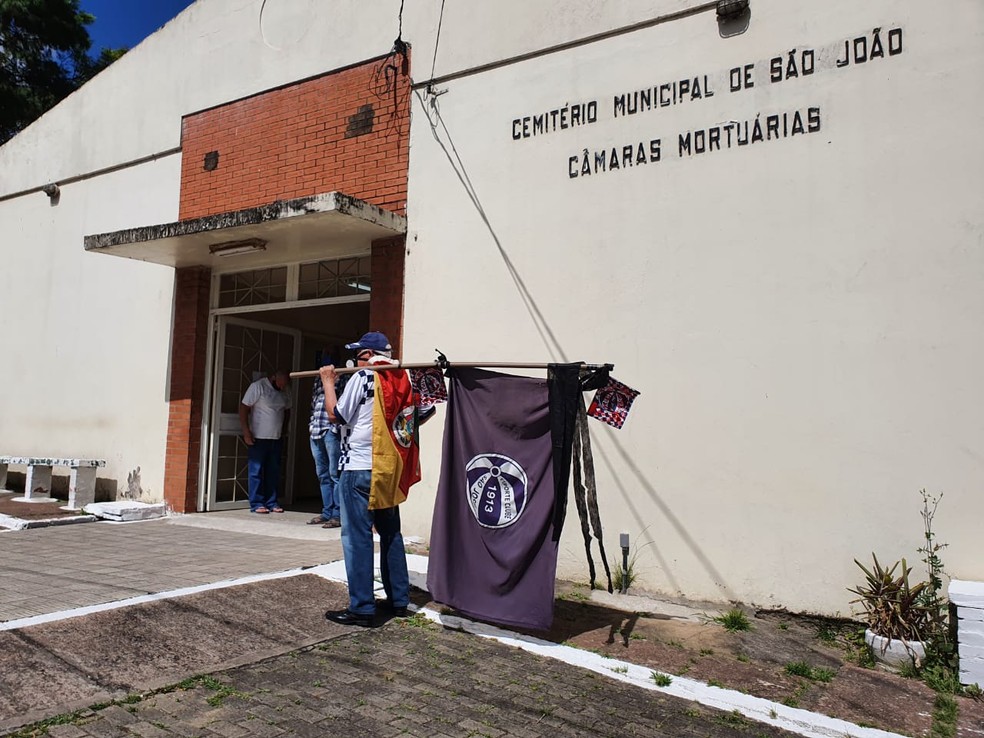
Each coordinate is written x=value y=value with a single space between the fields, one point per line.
x=944 y=717
x=222 y=691
x=417 y=620
x=576 y=596
x=78 y=717
x=661 y=680
x=813 y=673
x=41 y=728
x=734 y=620
x=821 y=674
x=733 y=718
x=858 y=651
x=826 y=634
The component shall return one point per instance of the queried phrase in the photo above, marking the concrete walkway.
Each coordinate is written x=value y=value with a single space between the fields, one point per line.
x=47 y=570
x=277 y=667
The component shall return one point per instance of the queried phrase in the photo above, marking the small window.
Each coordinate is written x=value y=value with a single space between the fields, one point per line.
x=258 y=287
x=335 y=278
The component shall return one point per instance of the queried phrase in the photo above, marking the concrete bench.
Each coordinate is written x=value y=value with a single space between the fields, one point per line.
x=37 y=486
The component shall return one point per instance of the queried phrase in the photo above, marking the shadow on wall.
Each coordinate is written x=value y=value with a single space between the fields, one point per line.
x=617 y=468
x=105 y=488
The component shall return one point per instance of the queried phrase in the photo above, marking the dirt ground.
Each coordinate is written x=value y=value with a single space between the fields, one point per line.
x=31 y=510
x=755 y=661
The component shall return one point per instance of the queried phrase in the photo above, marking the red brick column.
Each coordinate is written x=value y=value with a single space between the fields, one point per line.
x=188 y=346
x=386 y=300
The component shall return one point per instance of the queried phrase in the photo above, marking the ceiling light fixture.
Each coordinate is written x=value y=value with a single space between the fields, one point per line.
x=231 y=248
x=357 y=285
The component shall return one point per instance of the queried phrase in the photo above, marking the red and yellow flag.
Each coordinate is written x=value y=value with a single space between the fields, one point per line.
x=395 y=449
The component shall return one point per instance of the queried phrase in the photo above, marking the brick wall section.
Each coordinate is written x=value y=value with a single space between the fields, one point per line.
x=188 y=347
x=346 y=131
x=386 y=300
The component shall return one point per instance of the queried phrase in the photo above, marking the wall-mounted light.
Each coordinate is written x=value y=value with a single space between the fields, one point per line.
x=231 y=248
x=733 y=17
x=730 y=9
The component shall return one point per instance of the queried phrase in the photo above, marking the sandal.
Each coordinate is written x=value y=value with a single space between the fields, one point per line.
x=260 y=511
x=276 y=509
x=316 y=520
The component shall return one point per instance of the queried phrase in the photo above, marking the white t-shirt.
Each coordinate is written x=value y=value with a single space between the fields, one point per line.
x=354 y=411
x=267 y=405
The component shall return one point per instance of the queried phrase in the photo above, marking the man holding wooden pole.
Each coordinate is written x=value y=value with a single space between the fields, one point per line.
x=376 y=468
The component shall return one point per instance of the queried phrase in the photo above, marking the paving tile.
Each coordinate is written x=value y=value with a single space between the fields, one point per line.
x=73 y=566
x=398 y=694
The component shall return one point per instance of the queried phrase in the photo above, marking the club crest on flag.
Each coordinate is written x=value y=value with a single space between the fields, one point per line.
x=404 y=427
x=612 y=402
x=429 y=383
x=497 y=490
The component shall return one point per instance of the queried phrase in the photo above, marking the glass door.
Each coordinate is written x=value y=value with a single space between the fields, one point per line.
x=245 y=350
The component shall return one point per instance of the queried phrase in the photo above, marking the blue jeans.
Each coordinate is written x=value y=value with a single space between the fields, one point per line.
x=264 y=472
x=357 y=523
x=326 y=450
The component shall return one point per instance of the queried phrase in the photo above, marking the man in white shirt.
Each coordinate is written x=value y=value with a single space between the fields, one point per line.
x=262 y=413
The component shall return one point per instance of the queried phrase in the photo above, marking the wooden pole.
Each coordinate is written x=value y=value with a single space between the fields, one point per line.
x=434 y=364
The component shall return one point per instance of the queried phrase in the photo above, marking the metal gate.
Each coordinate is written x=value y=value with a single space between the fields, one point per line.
x=245 y=350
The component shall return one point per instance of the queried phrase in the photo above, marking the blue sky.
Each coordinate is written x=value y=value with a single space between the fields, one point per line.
x=128 y=22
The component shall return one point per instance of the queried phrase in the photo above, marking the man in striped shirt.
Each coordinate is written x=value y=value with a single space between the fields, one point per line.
x=354 y=411
x=325 y=449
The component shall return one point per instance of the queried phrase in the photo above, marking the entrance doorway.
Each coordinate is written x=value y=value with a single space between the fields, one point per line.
x=246 y=350
x=252 y=341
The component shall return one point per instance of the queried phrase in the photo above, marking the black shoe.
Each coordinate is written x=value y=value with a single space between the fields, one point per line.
x=386 y=606
x=344 y=617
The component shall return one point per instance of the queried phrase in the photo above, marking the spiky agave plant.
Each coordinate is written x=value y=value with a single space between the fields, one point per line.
x=894 y=608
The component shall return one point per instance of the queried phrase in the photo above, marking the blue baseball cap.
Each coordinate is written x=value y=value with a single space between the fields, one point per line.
x=372 y=341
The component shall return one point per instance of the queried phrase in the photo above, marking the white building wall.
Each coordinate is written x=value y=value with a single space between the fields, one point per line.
x=86 y=339
x=801 y=315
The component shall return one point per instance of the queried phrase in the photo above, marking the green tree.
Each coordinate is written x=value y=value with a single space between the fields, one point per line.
x=44 y=56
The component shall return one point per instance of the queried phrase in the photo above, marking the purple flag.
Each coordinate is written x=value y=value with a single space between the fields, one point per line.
x=492 y=553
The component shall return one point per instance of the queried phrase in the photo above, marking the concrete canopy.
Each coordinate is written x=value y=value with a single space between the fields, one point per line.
x=288 y=230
